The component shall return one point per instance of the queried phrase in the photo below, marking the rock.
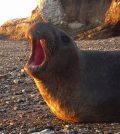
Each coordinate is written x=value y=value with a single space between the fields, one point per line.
x=2 y=110
x=45 y=131
x=16 y=81
x=17 y=93
x=36 y=133
x=68 y=130
x=62 y=12
x=41 y=102
x=21 y=73
x=3 y=76
x=75 y=25
x=31 y=130
x=51 y=11
x=1 y=132
x=50 y=127
x=21 y=100
x=15 y=108
x=28 y=80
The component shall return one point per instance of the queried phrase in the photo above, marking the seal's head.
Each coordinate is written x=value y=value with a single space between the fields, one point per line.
x=53 y=61
x=47 y=43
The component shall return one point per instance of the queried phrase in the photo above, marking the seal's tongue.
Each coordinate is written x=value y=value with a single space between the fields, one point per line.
x=38 y=53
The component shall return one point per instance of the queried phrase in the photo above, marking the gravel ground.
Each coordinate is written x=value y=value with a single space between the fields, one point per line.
x=22 y=109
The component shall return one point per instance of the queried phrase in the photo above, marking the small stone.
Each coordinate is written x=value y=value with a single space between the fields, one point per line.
x=68 y=130
x=36 y=133
x=42 y=102
x=32 y=130
x=15 y=108
x=7 y=102
x=11 y=123
x=12 y=74
x=98 y=131
x=16 y=81
x=26 y=90
x=13 y=97
x=2 y=132
x=2 y=110
x=45 y=131
x=67 y=127
x=21 y=73
x=75 y=25
x=32 y=95
x=3 y=76
x=110 y=133
x=23 y=91
x=50 y=127
x=18 y=93
x=89 y=36
x=20 y=100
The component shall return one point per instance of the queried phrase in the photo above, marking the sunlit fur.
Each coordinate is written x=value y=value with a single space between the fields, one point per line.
x=78 y=86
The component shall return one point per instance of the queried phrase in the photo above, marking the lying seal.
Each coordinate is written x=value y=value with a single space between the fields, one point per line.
x=78 y=86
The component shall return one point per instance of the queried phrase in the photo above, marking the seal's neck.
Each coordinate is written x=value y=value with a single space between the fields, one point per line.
x=57 y=103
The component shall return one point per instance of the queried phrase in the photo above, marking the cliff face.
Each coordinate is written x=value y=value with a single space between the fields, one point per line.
x=85 y=11
x=51 y=11
x=76 y=15
x=109 y=28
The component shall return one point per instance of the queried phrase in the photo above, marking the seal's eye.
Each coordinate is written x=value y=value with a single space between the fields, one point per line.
x=65 y=39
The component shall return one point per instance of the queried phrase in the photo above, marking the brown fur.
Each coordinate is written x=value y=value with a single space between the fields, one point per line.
x=78 y=86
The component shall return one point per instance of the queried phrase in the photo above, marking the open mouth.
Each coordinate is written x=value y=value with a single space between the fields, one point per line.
x=38 y=55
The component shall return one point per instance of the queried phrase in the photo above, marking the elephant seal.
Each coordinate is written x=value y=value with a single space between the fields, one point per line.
x=78 y=86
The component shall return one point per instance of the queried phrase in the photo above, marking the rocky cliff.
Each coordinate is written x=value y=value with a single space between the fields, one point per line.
x=70 y=11
x=75 y=16
x=110 y=26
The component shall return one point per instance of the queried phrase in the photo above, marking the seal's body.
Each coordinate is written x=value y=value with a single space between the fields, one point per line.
x=78 y=86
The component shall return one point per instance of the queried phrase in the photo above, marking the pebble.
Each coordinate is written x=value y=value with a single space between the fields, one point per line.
x=12 y=74
x=21 y=73
x=18 y=93
x=2 y=110
x=75 y=25
x=68 y=130
x=50 y=127
x=20 y=100
x=36 y=133
x=45 y=131
x=7 y=102
x=26 y=90
x=16 y=81
x=3 y=76
x=28 y=80
x=15 y=108
x=2 y=132
x=14 y=132
x=31 y=130
x=41 y=102
x=23 y=91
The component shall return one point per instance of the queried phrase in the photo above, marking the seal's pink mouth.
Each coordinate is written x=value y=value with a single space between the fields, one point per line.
x=38 y=54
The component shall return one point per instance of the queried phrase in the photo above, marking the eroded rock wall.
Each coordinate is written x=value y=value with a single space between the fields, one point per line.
x=83 y=11
x=76 y=16
x=51 y=11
